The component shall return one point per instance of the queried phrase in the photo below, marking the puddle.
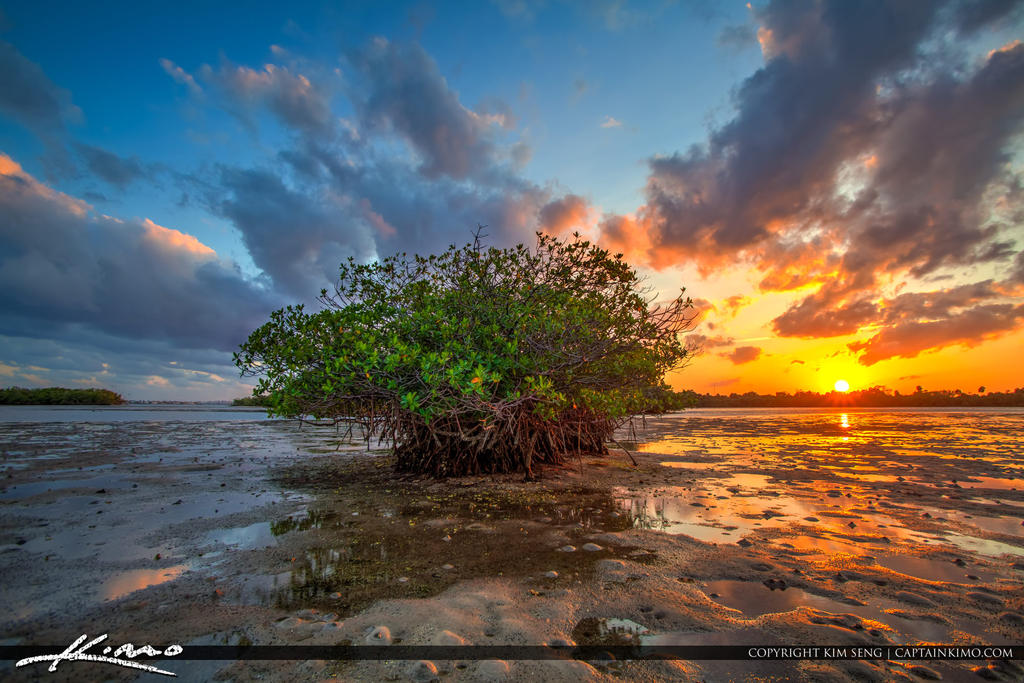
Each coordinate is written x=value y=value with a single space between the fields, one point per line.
x=127 y=582
x=357 y=556
x=818 y=546
x=689 y=465
x=118 y=481
x=755 y=599
x=720 y=513
x=982 y=545
x=608 y=631
x=976 y=482
x=933 y=570
x=259 y=535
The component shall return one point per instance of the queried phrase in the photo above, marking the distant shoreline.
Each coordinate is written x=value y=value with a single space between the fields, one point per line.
x=875 y=397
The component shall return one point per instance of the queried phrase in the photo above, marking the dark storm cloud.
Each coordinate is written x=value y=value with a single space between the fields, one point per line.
x=699 y=342
x=920 y=321
x=293 y=97
x=737 y=37
x=969 y=327
x=857 y=150
x=403 y=91
x=743 y=354
x=112 y=168
x=296 y=238
x=798 y=119
x=335 y=196
x=565 y=214
x=62 y=264
x=973 y=14
x=28 y=95
x=298 y=234
x=824 y=314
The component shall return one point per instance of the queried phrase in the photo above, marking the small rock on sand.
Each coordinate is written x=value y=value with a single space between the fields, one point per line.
x=985 y=597
x=1011 y=618
x=914 y=599
x=423 y=670
x=551 y=574
x=449 y=638
x=925 y=673
x=379 y=635
x=567 y=549
x=447 y=566
x=289 y=622
x=492 y=670
x=592 y=547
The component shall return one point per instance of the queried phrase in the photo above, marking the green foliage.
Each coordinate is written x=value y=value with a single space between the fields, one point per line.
x=475 y=359
x=59 y=396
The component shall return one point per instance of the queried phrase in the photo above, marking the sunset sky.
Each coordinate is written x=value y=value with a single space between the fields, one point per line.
x=840 y=185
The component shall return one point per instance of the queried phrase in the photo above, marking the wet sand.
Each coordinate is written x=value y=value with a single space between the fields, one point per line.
x=737 y=527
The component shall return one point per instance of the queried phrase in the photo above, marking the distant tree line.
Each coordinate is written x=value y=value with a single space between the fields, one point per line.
x=59 y=396
x=260 y=401
x=875 y=397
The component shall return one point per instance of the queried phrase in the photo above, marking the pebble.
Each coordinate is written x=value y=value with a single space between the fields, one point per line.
x=985 y=597
x=447 y=539
x=986 y=673
x=1012 y=618
x=403 y=579
x=925 y=673
x=447 y=566
x=449 y=638
x=289 y=622
x=551 y=574
x=914 y=599
x=379 y=635
x=567 y=549
x=744 y=543
x=592 y=547
x=423 y=670
x=492 y=670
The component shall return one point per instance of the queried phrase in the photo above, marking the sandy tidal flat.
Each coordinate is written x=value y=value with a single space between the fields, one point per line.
x=754 y=527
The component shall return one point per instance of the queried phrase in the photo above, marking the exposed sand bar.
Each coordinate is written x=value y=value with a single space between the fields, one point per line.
x=752 y=527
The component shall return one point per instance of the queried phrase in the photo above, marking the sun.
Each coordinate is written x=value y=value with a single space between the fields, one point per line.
x=842 y=385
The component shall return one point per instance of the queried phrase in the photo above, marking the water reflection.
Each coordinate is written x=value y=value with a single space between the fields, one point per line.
x=784 y=476
x=124 y=583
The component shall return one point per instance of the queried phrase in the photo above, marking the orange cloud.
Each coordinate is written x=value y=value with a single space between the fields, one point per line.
x=568 y=214
x=176 y=240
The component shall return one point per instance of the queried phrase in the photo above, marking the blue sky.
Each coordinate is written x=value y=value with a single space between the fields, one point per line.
x=177 y=171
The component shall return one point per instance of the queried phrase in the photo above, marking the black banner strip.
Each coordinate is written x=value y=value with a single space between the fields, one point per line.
x=542 y=652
